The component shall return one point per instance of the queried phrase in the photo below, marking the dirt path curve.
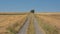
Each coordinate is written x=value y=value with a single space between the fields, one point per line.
x=23 y=30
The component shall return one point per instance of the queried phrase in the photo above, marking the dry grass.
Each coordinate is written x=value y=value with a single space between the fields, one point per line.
x=49 y=23
x=11 y=21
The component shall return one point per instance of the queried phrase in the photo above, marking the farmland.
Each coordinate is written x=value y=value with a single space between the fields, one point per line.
x=29 y=23
x=49 y=22
x=8 y=23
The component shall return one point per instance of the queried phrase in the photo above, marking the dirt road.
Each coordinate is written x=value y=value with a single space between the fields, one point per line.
x=23 y=30
x=37 y=28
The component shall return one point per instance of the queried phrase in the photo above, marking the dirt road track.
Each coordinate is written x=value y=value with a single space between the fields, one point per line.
x=37 y=28
x=23 y=30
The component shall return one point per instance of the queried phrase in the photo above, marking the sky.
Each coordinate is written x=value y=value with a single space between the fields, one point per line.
x=27 y=5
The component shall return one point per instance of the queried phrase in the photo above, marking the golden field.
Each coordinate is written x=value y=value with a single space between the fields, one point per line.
x=49 y=22
x=8 y=23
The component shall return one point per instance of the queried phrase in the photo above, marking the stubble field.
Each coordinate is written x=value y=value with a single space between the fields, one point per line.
x=10 y=24
x=50 y=23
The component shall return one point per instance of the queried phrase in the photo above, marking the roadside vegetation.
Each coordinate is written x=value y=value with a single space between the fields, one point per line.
x=31 y=27
x=14 y=28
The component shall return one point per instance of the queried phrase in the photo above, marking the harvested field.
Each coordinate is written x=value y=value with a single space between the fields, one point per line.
x=49 y=22
x=11 y=21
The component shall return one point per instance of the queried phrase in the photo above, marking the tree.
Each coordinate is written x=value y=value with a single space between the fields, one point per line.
x=32 y=11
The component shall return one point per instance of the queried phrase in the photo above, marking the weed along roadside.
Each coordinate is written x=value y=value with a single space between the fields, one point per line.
x=46 y=27
x=30 y=29
x=14 y=28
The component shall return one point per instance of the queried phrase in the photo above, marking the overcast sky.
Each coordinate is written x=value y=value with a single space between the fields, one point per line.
x=27 y=5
